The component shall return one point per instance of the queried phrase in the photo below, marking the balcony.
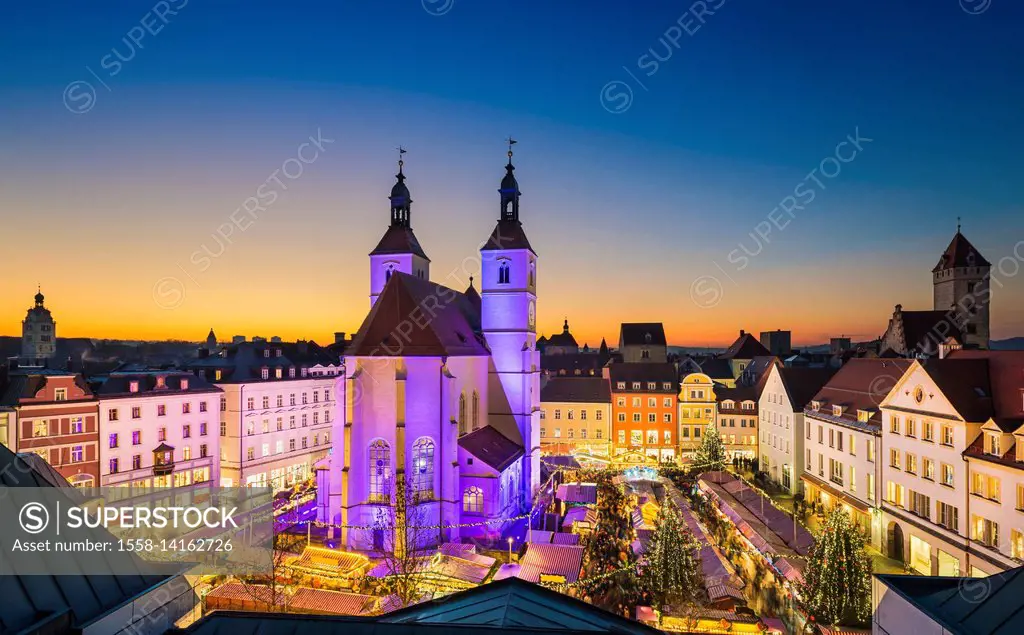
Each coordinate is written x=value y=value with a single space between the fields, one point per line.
x=163 y=460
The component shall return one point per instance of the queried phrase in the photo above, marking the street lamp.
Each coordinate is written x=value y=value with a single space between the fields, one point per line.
x=510 y=549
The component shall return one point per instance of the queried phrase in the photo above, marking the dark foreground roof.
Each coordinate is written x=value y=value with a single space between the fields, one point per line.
x=803 y=383
x=965 y=606
x=60 y=603
x=507 y=606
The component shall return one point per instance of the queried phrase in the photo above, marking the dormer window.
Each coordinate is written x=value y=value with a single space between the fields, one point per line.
x=667 y=386
x=161 y=382
x=217 y=374
x=133 y=386
x=636 y=385
x=291 y=373
x=728 y=404
x=837 y=411
x=305 y=371
x=265 y=373
x=277 y=353
x=863 y=416
x=815 y=405
x=621 y=385
x=993 y=445
x=266 y=353
x=184 y=384
x=651 y=385
x=504 y=272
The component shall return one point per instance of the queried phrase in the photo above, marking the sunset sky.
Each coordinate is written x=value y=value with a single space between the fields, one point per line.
x=110 y=199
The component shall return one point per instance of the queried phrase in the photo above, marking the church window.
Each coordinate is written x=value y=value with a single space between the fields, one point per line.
x=473 y=500
x=476 y=410
x=504 y=272
x=423 y=468
x=380 y=471
x=462 y=414
x=533 y=272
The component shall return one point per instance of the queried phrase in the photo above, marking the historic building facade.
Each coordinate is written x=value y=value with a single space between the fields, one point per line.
x=277 y=408
x=576 y=416
x=644 y=427
x=698 y=408
x=53 y=414
x=440 y=425
x=158 y=429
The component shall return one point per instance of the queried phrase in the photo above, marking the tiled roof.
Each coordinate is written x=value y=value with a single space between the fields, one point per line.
x=960 y=253
x=563 y=560
x=861 y=384
x=491 y=447
x=716 y=368
x=642 y=334
x=331 y=602
x=399 y=240
x=576 y=390
x=1006 y=381
x=568 y=363
x=803 y=383
x=924 y=330
x=442 y=320
x=746 y=346
x=658 y=372
x=243 y=362
x=117 y=384
x=965 y=383
x=507 y=234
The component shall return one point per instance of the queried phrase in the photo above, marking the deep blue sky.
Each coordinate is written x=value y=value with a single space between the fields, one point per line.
x=724 y=129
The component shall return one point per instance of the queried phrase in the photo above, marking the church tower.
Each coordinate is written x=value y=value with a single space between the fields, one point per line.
x=38 y=334
x=960 y=281
x=398 y=249
x=508 y=317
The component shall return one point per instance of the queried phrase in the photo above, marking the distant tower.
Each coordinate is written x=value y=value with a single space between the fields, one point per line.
x=508 y=317
x=211 y=341
x=398 y=249
x=960 y=282
x=38 y=333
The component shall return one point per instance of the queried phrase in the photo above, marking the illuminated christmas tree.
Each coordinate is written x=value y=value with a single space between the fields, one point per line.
x=837 y=579
x=710 y=455
x=671 y=566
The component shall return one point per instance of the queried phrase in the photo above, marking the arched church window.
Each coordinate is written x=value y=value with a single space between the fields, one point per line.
x=504 y=272
x=380 y=472
x=476 y=410
x=462 y=415
x=473 y=500
x=423 y=469
x=533 y=272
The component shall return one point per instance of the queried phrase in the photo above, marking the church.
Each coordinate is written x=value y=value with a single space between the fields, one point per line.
x=438 y=427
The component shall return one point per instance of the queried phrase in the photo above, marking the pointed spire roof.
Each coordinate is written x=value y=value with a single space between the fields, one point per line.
x=399 y=237
x=508 y=233
x=472 y=295
x=960 y=253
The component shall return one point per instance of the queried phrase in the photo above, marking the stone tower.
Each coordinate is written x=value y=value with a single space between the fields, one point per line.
x=960 y=282
x=38 y=334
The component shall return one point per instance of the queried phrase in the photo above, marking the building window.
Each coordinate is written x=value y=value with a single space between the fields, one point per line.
x=894 y=424
x=894 y=458
x=473 y=500
x=929 y=431
x=928 y=469
x=60 y=394
x=423 y=469
x=186 y=431
x=985 y=531
x=947 y=516
x=651 y=417
x=113 y=465
x=136 y=412
x=598 y=415
x=598 y=434
x=77 y=455
x=910 y=429
x=558 y=413
x=947 y=435
x=622 y=417
x=380 y=471
x=504 y=272
x=136 y=437
x=463 y=422
x=250 y=454
x=947 y=475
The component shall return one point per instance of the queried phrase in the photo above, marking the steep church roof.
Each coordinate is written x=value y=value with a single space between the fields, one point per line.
x=418 y=318
x=399 y=240
x=508 y=234
x=960 y=253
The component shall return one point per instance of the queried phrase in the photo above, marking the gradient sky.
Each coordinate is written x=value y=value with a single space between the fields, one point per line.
x=628 y=210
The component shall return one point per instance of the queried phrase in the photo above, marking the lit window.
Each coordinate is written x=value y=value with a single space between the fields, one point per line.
x=473 y=500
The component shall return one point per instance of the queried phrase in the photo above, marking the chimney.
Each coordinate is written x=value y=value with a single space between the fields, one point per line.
x=339 y=337
x=742 y=332
x=238 y=339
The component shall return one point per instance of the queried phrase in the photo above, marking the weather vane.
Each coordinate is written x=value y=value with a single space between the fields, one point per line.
x=511 y=142
x=401 y=162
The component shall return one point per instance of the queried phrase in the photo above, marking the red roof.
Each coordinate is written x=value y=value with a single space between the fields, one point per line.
x=563 y=560
x=960 y=253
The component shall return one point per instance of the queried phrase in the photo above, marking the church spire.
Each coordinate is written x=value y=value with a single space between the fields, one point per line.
x=401 y=200
x=509 y=189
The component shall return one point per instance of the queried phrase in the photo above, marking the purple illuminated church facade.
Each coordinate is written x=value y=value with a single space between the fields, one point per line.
x=441 y=393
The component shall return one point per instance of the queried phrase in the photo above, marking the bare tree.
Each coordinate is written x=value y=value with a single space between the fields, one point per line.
x=405 y=526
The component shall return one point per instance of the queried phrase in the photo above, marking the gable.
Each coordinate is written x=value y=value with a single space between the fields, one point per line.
x=903 y=394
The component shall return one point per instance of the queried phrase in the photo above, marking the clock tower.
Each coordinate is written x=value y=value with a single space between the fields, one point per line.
x=508 y=316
